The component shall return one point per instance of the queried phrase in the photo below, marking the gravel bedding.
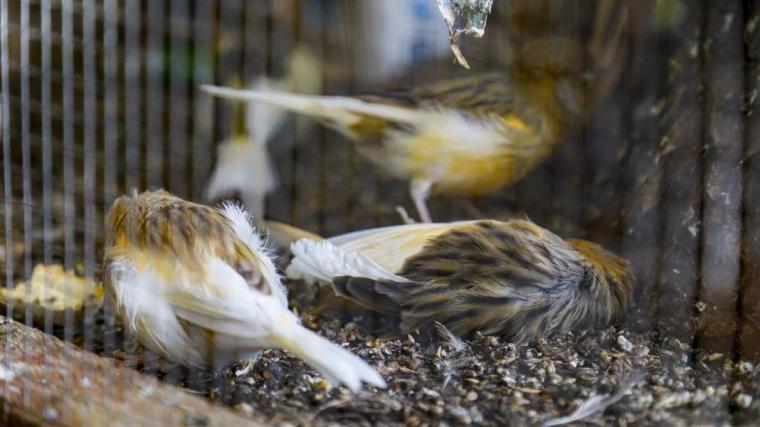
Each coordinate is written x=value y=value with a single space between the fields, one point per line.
x=484 y=380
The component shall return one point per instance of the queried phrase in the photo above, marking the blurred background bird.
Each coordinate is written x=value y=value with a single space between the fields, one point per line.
x=196 y=284
x=470 y=135
x=512 y=278
x=243 y=166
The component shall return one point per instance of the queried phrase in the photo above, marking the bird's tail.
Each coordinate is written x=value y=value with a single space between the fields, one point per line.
x=341 y=112
x=268 y=324
x=244 y=168
x=338 y=365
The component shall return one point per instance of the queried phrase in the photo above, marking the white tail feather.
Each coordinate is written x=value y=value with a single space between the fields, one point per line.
x=338 y=365
x=262 y=323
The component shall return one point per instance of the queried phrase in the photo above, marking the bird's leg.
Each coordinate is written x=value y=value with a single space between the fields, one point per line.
x=405 y=218
x=420 y=191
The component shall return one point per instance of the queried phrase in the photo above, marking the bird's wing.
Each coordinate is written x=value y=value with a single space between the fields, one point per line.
x=343 y=111
x=478 y=93
x=324 y=261
x=225 y=303
x=389 y=247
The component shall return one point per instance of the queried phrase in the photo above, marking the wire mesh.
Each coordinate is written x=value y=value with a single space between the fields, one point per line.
x=101 y=96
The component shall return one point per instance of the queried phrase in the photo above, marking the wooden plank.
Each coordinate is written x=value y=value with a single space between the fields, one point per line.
x=45 y=381
x=642 y=176
x=681 y=156
x=722 y=192
x=749 y=345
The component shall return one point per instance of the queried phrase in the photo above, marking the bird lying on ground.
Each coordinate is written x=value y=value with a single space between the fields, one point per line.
x=511 y=278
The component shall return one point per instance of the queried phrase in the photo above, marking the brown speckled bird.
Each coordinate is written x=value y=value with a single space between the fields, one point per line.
x=512 y=278
x=196 y=284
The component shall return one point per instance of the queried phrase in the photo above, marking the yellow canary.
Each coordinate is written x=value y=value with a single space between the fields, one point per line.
x=512 y=278
x=196 y=284
x=470 y=135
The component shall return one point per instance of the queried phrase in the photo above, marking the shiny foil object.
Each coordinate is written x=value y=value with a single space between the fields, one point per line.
x=464 y=17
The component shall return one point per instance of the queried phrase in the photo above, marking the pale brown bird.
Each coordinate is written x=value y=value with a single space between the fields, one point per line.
x=196 y=284
x=512 y=278
x=468 y=136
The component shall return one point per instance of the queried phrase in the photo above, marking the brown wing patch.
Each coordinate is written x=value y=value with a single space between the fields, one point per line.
x=245 y=263
x=484 y=257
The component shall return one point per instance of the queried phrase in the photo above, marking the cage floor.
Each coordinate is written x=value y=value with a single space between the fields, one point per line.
x=488 y=381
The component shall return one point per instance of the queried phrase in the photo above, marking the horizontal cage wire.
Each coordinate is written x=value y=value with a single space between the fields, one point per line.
x=656 y=161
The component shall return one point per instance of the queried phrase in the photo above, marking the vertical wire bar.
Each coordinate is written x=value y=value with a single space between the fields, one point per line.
x=89 y=145
x=362 y=175
x=110 y=128
x=229 y=64
x=338 y=151
x=110 y=98
x=132 y=105
x=203 y=66
x=26 y=151
x=204 y=27
x=179 y=21
x=749 y=345
x=253 y=34
x=47 y=183
x=722 y=225
x=155 y=66
x=47 y=149
x=308 y=144
x=110 y=44
x=6 y=144
x=133 y=131
x=69 y=208
x=26 y=166
x=154 y=69
x=279 y=203
x=605 y=133
x=179 y=30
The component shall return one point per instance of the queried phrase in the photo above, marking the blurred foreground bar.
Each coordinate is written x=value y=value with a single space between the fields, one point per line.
x=45 y=381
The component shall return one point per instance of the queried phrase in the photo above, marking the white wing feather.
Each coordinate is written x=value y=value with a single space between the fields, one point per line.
x=390 y=246
x=343 y=110
x=323 y=261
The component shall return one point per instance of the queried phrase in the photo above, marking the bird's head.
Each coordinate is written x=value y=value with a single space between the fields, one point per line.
x=610 y=271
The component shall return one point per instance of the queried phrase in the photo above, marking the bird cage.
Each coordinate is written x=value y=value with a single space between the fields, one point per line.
x=100 y=98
